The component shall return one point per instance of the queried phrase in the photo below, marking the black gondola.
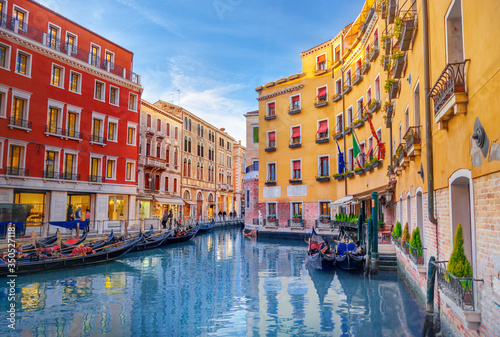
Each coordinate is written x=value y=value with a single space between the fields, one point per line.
x=206 y=227
x=319 y=254
x=153 y=241
x=49 y=240
x=71 y=243
x=106 y=253
x=347 y=259
x=179 y=237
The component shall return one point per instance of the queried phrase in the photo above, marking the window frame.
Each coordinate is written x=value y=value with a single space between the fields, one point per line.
x=61 y=76
x=53 y=104
x=268 y=111
x=115 y=161
x=75 y=39
x=268 y=142
x=8 y=50
x=79 y=82
x=26 y=96
x=25 y=18
x=4 y=94
x=113 y=120
x=102 y=118
x=292 y=209
x=132 y=165
x=342 y=121
x=292 y=170
x=319 y=164
x=117 y=98
x=268 y=164
x=267 y=208
x=29 y=59
x=133 y=126
x=136 y=97
x=78 y=112
x=103 y=91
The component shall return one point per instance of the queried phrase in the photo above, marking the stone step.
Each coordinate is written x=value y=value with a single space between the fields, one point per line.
x=388 y=268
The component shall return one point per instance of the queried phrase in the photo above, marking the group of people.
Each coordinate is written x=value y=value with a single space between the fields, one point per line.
x=76 y=215
x=167 y=218
x=232 y=215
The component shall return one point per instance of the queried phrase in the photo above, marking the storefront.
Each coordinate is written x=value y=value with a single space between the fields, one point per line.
x=144 y=208
x=211 y=206
x=117 y=207
x=78 y=200
x=162 y=205
x=36 y=208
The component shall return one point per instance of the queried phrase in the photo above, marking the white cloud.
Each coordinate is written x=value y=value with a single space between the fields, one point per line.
x=205 y=93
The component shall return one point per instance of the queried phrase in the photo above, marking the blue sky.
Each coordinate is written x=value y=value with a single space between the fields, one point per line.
x=209 y=55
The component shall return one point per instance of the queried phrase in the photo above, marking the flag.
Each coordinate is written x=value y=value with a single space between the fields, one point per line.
x=355 y=148
x=380 y=145
x=341 y=159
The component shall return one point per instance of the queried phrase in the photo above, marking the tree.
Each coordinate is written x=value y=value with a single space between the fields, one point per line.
x=458 y=265
x=416 y=242
x=397 y=231
x=406 y=233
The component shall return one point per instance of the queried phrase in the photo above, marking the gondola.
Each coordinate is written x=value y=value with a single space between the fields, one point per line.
x=319 y=254
x=71 y=243
x=39 y=243
x=153 y=241
x=206 y=227
x=103 y=254
x=347 y=260
x=188 y=235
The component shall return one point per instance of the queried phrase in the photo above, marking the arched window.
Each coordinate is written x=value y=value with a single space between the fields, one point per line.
x=198 y=148
x=185 y=143
x=454 y=37
x=189 y=144
x=176 y=157
x=198 y=171
x=202 y=151
x=199 y=197
x=186 y=123
x=186 y=195
x=420 y=216
x=149 y=121
x=176 y=133
x=167 y=155
x=408 y=212
x=190 y=124
x=189 y=168
x=198 y=131
x=210 y=198
x=157 y=182
x=185 y=167
x=158 y=150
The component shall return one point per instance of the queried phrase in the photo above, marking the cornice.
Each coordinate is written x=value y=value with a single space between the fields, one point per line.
x=362 y=43
x=51 y=53
x=281 y=91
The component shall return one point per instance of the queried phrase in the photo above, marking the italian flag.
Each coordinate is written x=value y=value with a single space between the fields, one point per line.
x=355 y=149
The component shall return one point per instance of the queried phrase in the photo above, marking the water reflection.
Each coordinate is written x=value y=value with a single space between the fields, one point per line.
x=219 y=284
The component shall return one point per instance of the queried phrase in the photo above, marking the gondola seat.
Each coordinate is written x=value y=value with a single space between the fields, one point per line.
x=341 y=249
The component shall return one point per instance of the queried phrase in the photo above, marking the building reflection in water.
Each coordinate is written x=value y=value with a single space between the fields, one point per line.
x=218 y=284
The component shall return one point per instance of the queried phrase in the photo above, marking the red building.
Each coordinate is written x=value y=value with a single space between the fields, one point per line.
x=69 y=105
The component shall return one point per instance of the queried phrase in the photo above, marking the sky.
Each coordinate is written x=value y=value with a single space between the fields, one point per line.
x=208 y=56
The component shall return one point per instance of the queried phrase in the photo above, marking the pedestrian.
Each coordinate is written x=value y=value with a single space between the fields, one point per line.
x=224 y=215
x=164 y=219
x=87 y=214
x=78 y=213
x=69 y=215
x=230 y=215
x=170 y=217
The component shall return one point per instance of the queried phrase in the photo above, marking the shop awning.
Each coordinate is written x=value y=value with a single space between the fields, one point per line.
x=296 y=165
x=341 y=201
x=189 y=202
x=170 y=201
x=323 y=126
x=366 y=195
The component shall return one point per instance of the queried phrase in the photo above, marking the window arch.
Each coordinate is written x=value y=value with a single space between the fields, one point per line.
x=186 y=195
x=211 y=198
x=186 y=123
x=190 y=124
x=185 y=143
x=189 y=144
x=185 y=167
x=189 y=168
x=176 y=157
x=401 y=210
x=167 y=154
x=408 y=212
x=420 y=215
x=199 y=196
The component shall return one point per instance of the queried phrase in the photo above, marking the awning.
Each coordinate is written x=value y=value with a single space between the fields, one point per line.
x=296 y=98
x=296 y=165
x=272 y=136
x=341 y=201
x=271 y=105
x=321 y=92
x=189 y=202
x=366 y=195
x=323 y=126
x=170 y=201
x=296 y=132
x=321 y=58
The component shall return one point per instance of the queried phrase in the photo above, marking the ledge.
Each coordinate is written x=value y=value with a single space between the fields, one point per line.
x=270 y=149
x=291 y=146
x=292 y=181
x=321 y=104
x=270 y=183
x=336 y=98
x=293 y=112
x=268 y=118
x=323 y=140
x=338 y=135
x=456 y=104
x=322 y=179
x=471 y=318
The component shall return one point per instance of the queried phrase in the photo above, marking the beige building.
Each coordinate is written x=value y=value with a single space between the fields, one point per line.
x=239 y=175
x=159 y=171
x=251 y=179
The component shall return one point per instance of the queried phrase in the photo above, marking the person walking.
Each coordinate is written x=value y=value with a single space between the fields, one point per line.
x=170 y=217
x=164 y=219
x=69 y=215
x=78 y=213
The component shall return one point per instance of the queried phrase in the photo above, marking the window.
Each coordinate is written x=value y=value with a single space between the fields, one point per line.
x=157 y=182
x=377 y=88
x=175 y=185
x=350 y=160
x=189 y=145
x=221 y=158
x=50 y=165
x=369 y=96
x=324 y=166
x=16 y=160
x=75 y=82
x=295 y=102
x=271 y=109
x=228 y=162
x=71 y=43
x=95 y=55
x=168 y=130
x=158 y=150
x=324 y=208
x=296 y=169
x=338 y=86
x=23 y=64
x=53 y=37
x=369 y=153
x=112 y=129
x=97 y=130
x=131 y=131
x=271 y=209
x=189 y=168
x=322 y=95
x=3 y=100
x=379 y=134
x=247 y=199
x=109 y=59
x=95 y=174
x=114 y=95
x=271 y=172
x=323 y=129
x=321 y=62
x=167 y=155
x=407 y=120
x=57 y=78
x=340 y=123
x=158 y=125
x=148 y=121
x=129 y=173
x=132 y=102
x=360 y=108
x=416 y=104
x=176 y=133
x=4 y=56
x=110 y=169
x=255 y=134
x=348 y=78
x=271 y=139
x=176 y=156
x=337 y=53
x=349 y=116
x=53 y=118
x=185 y=167
x=361 y=157
x=99 y=91
x=19 y=114
x=295 y=138
x=454 y=37
x=375 y=38
x=70 y=164
x=296 y=209
x=166 y=184
x=21 y=17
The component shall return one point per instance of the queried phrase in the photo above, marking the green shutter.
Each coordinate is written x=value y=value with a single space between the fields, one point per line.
x=256 y=134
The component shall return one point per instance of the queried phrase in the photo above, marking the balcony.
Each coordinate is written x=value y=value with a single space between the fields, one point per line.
x=365 y=67
x=154 y=162
x=230 y=187
x=413 y=139
x=295 y=142
x=347 y=87
x=320 y=69
x=294 y=108
x=17 y=171
x=149 y=131
x=386 y=63
x=391 y=11
x=19 y=124
x=223 y=187
x=161 y=134
x=373 y=106
x=323 y=177
x=408 y=27
x=389 y=110
x=373 y=54
x=337 y=97
x=400 y=156
x=253 y=167
x=270 y=148
x=73 y=51
x=449 y=93
x=322 y=137
x=96 y=139
x=394 y=89
x=387 y=41
x=270 y=182
x=95 y=179
x=461 y=292
x=321 y=101
x=357 y=77
x=296 y=223
x=74 y=134
x=54 y=130
x=69 y=176
x=399 y=65
x=51 y=175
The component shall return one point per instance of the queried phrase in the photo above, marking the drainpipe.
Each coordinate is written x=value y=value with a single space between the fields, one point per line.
x=428 y=119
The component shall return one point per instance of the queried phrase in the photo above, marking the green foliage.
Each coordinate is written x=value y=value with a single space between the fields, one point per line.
x=458 y=265
x=406 y=233
x=416 y=242
x=295 y=216
x=398 y=25
x=346 y=218
x=388 y=84
x=397 y=231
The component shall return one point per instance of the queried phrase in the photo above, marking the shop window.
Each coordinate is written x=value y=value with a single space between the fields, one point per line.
x=117 y=206
x=36 y=208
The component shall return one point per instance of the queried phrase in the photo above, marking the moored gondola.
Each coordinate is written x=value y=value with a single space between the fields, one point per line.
x=349 y=257
x=153 y=241
x=57 y=261
x=182 y=236
x=319 y=253
x=206 y=227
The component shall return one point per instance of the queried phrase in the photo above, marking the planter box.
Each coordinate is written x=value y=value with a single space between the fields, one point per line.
x=387 y=63
x=387 y=46
x=295 y=181
x=321 y=104
x=270 y=183
x=375 y=107
x=391 y=11
x=399 y=67
x=350 y=175
x=323 y=140
x=270 y=149
x=348 y=131
x=338 y=135
x=296 y=220
x=393 y=92
x=357 y=125
x=336 y=98
x=365 y=68
x=358 y=78
x=293 y=112
x=339 y=177
x=347 y=89
x=267 y=118
x=407 y=34
x=294 y=145
x=359 y=172
x=373 y=55
x=377 y=163
x=321 y=179
x=389 y=110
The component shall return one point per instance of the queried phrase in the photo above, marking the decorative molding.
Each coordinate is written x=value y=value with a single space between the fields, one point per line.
x=280 y=92
x=362 y=44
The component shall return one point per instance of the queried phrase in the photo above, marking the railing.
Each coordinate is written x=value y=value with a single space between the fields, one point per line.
x=295 y=141
x=51 y=174
x=294 y=106
x=38 y=35
x=322 y=136
x=459 y=289
x=321 y=99
x=95 y=179
x=73 y=134
x=17 y=171
x=22 y=123
x=295 y=223
x=270 y=222
x=55 y=130
x=70 y=176
x=400 y=152
x=451 y=81
x=413 y=136
x=97 y=139
x=322 y=224
x=416 y=254
x=253 y=167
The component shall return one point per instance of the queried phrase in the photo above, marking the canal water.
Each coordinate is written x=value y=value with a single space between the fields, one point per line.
x=219 y=284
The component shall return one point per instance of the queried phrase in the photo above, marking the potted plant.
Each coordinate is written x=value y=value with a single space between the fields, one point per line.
x=396 y=234
x=398 y=25
x=406 y=238
x=416 y=242
x=324 y=218
x=388 y=84
x=271 y=218
x=358 y=170
x=358 y=122
x=459 y=265
x=374 y=105
x=367 y=165
x=297 y=218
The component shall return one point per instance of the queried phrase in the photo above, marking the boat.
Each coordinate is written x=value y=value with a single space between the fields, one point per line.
x=320 y=255
x=347 y=259
x=49 y=240
x=182 y=236
x=252 y=234
x=206 y=227
x=152 y=241
x=56 y=261
x=71 y=243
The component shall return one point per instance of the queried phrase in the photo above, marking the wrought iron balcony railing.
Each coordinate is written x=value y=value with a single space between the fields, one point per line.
x=20 y=123
x=73 y=134
x=95 y=179
x=451 y=81
x=413 y=136
x=97 y=139
x=52 y=129
x=416 y=254
x=70 y=176
x=17 y=171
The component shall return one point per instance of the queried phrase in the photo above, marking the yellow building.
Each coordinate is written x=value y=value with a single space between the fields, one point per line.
x=427 y=74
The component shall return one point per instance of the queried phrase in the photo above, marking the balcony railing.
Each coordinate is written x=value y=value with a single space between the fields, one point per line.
x=155 y=162
x=416 y=254
x=253 y=167
x=95 y=179
x=270 y=222
x=97 y=139
x=51 y=174
x=400 y=153
x=54 y=130
x=450 y=82
x=294 y=108
x=17 y=171
x=413 y=137
x=357 y=77
x=74 y=134
x=295 y=142
x=322 y=137
x=459 y=289
x=321 y=101
x=20 y=123
x=324 y=223
x=70 y=176
x=38 y=35
x=296 y=223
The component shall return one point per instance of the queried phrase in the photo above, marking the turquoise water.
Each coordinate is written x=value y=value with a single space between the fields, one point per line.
x=219 y=284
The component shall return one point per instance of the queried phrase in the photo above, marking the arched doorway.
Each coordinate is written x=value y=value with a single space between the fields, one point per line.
x=199 y=205
x=211 y=206
x=187 y=207
x=420 y=216
x=408 y=212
